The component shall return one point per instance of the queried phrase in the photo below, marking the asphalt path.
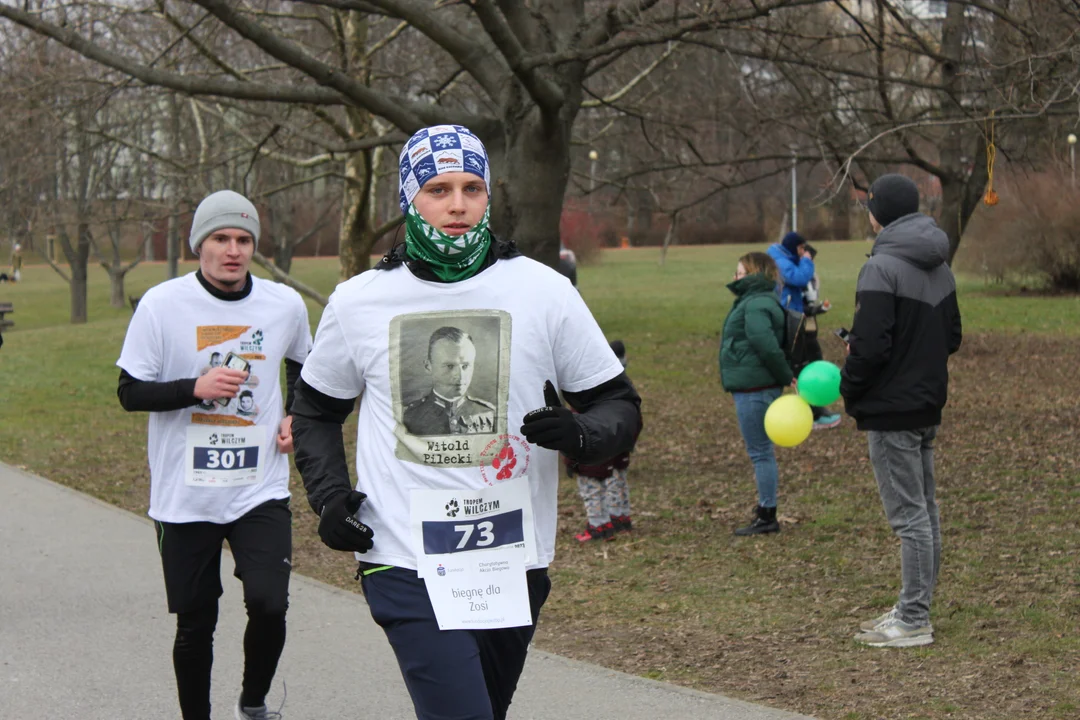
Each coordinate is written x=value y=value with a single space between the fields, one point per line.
x=84 y=634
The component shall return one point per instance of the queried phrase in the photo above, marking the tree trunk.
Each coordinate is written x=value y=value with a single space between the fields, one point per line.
x=759 y=214
x=283 y=255
x=172 y=238
x=79 y=276
x=960 y=198
x=960 y=189
x=642 y=208
x=532 y=160
x=172 y=243
x=116 y=284
x=354 y=250
x=841 y=214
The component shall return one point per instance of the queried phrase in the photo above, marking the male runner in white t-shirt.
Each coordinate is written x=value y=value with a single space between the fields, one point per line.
x=430 y=497
x=203 y=355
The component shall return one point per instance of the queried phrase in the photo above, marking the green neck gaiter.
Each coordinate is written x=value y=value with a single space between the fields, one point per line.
x=450 y=258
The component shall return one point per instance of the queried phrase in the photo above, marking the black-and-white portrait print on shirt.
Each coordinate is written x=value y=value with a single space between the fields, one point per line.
x=450 y=383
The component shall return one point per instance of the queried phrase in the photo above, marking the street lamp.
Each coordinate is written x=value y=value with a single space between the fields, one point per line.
x=1072 y=156
x=593 y=155
x=794 y=193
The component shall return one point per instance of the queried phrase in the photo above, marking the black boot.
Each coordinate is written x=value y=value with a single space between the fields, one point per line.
x=765 y=522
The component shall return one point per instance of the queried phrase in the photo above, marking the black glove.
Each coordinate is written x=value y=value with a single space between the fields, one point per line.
x=554 y=427
x=338 y=526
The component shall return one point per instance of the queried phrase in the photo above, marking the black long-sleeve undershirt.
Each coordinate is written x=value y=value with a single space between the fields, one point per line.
x=320 y=444
x=147 y=396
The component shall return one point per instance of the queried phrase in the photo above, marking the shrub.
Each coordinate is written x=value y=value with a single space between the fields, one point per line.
x=1033 y=232
x=584 y=232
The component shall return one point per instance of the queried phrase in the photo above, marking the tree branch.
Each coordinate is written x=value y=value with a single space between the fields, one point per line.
x=301 y=181
x=547 y=94
x=712 y=21
x=387 y=227
x=54 y=266
x=614 y=21
x=186 y=33
x=323 y=220
x=408 y=115
x=619 y=94
x=286 y=279
x=174 y=81
x=474 y=57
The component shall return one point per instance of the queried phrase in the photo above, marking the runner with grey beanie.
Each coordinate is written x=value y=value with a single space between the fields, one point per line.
x=203 y=358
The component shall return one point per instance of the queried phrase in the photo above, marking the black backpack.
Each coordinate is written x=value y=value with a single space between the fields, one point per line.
x=795 y=349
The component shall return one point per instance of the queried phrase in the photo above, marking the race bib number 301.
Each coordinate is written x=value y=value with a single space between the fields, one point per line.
x=223 y=457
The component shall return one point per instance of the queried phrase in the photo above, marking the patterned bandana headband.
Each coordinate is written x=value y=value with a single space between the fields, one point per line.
x=429 y=153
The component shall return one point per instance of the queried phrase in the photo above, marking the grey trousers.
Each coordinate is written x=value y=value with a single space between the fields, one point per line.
x=903 y=463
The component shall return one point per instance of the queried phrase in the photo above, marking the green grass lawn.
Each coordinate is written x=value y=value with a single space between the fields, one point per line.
x=765 y=619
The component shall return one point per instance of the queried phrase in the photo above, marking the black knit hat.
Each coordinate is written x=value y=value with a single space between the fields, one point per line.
x=891 y=197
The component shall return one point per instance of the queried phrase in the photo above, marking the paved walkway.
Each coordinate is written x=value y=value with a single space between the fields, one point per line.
x=84 y=634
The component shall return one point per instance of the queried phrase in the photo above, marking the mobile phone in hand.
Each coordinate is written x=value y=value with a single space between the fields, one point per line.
x=233 y=362
x=842 y=333
x=236 y=362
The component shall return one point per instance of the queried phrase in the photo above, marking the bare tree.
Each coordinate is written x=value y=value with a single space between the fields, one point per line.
x=119 y=220
x=517 y=70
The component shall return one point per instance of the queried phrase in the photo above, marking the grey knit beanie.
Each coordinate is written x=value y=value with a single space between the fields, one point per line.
x=220 y=210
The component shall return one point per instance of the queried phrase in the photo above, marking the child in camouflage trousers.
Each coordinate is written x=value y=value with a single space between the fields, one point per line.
x=603 y=488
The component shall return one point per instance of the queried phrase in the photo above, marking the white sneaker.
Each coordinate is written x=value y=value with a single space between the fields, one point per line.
x=868 y=625
x=895 y=633
x=256 y=713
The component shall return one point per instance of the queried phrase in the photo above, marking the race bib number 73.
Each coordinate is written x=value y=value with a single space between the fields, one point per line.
x=494 y=531
x=472 y=548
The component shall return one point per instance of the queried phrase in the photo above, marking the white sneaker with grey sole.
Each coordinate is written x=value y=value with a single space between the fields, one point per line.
x=895 y=633
x=256 y=713
x=868 y=625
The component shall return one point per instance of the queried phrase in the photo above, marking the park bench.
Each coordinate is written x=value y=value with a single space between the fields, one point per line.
x=5 y=308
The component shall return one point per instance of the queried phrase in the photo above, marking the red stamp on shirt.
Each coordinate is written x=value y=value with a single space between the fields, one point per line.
x=506 y=457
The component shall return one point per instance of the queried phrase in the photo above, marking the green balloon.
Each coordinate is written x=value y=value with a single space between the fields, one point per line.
x=819 y=383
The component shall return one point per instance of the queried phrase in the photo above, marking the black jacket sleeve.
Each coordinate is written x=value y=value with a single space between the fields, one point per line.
x=956 y=333
x=871 y=338
x=144 y=396
x=320 y=446
x=610 y=415
x=292 y=374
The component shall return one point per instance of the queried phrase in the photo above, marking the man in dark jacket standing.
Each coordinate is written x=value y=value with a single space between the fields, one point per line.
x=895 y=384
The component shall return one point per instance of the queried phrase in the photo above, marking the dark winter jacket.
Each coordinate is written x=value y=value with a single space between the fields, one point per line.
x=795 y=274
x=751 y=347
x=907 y=323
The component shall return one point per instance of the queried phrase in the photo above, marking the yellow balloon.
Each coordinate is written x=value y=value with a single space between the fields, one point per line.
x=789 y=420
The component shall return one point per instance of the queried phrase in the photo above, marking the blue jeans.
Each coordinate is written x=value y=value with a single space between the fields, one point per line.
x=750 y=408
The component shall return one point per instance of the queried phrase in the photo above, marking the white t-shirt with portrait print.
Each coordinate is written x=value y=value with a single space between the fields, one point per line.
x=519 y=323
x=180 y=331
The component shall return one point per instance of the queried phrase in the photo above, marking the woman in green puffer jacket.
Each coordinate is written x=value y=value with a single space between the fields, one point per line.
x=755 y=371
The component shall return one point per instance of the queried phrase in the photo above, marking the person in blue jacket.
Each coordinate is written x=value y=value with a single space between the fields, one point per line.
x=795 y=260
x=796 y=269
